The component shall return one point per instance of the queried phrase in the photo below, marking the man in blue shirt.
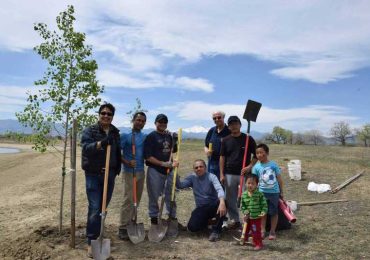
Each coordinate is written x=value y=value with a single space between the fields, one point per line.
x=213 y=138
x=209 y=199
x=129 y=164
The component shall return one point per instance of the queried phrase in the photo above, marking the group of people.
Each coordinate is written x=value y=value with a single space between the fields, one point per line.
x=215 y=187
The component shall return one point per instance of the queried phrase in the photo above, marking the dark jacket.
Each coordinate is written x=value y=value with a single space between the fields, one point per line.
x=93 y=159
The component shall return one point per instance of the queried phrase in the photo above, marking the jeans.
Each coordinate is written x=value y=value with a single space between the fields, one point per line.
x=214 y=167
x=127 y=207
x=155 y=184
x=94 y=192
x=200 y=216
x=231 y=187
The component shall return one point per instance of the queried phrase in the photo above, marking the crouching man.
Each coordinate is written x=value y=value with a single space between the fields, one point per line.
x=209 y=200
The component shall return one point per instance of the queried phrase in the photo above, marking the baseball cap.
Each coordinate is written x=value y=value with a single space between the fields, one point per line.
x=161 y=117
x=233 y=119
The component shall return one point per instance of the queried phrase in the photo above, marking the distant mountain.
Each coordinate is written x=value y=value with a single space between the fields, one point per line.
x=10 y=125
x=195 y=132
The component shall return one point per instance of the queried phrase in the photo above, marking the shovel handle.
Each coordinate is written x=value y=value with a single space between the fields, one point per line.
x=106 y=173
x=241 y=181
x=244 y=235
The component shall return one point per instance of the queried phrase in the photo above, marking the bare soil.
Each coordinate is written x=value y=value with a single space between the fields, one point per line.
x=29 y=207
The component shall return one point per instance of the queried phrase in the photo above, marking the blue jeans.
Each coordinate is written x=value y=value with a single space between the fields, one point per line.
x=214 y=167
x=94 y=192
x=155 y=184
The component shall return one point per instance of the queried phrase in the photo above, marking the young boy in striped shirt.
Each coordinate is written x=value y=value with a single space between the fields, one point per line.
x=254 y=207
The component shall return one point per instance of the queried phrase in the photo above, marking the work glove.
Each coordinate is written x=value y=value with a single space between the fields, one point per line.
x=108 y=140
x=166 y=165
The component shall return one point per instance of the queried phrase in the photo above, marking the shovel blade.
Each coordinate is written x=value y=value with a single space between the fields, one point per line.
x=157 y=232
x=100 y=249
x=173 y=228
x=136 y=232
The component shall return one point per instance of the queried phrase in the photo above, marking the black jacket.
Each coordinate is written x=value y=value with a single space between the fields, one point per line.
x=93 y=159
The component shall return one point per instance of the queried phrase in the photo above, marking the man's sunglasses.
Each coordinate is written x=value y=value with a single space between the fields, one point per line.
x=217 y=117
x=106 y=114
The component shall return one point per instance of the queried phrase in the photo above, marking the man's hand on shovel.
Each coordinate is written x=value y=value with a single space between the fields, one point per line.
x=247 y=169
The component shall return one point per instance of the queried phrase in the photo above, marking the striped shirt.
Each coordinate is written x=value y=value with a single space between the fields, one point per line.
x=254 y=205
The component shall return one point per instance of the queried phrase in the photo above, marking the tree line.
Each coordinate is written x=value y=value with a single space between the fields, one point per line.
x=340 y=133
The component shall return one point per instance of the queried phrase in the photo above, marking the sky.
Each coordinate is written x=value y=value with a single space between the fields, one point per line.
x=307 y=62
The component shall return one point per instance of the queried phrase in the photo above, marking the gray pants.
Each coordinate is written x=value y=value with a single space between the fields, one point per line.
x=127 y=207
x=231 y=190
x=155 y=183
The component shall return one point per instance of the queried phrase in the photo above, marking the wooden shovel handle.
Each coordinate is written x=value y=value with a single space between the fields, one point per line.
x=106 y=174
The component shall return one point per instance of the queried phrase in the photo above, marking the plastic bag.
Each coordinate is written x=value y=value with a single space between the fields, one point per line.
x=320 y=188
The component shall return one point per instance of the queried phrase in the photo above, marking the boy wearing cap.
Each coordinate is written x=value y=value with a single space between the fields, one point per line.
x=157 y=153
x=231 y=165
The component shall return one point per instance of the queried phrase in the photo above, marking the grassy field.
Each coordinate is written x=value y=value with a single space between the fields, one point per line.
x=28 y=219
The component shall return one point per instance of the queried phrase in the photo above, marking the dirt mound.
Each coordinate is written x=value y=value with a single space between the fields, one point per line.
x=36 y=245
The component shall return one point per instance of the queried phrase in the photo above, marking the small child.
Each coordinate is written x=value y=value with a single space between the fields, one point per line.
x=254 y=206
x=271 y=184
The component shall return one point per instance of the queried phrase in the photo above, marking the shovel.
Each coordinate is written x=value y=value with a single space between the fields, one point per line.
x=173 y=225
x=157 y=232
x=250 y=114
x=101 y=247
x=135 y=230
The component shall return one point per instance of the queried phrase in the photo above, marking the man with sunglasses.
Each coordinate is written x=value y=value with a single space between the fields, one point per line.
x=94 y=141
x=209 y=200
x=158 y=148
x=213 y=138
x=136 y=137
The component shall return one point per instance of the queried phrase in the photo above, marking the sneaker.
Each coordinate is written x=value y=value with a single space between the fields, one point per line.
x=214 y=237
x=212 y=221
x=256 y=248
x=89 y=252
x=122 y=234
x=234 y=225
x=272 y=236
x=154 y=221
x=181 y=227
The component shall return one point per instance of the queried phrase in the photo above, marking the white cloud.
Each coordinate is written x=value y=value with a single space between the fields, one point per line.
x=319 y=117
x=196 y=129
x=302 y=36
x=111 y=78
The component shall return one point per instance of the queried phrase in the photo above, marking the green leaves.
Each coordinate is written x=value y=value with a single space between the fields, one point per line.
x=70 y=89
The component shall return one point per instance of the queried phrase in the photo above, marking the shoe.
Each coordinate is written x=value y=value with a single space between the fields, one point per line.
x=89 y=252
x=181 y=227
x=256 y=248
x=122 y=234
x=214 y=237
x=212 y=221
x=272 y=236
x=234 y=225
x=154 y=221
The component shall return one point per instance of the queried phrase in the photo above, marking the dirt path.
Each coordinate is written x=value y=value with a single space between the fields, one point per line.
x=30 y=189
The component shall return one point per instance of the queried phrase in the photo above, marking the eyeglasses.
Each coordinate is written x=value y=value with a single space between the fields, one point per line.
x=198 y=167
x=217 y=117
x=106 y=114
